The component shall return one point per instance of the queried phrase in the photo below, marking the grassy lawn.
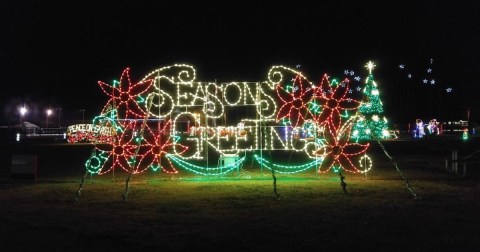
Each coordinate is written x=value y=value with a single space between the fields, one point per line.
x=238 y=212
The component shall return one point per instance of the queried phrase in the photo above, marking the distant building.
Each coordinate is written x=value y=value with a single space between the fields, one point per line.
x=27 y=128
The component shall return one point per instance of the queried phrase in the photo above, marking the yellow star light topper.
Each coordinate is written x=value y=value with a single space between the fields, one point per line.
x=370 y=66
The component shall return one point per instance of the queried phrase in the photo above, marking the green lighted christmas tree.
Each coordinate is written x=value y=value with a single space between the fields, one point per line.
x=370 y=122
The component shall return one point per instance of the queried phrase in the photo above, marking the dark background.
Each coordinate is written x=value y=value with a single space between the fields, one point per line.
x=52 y=53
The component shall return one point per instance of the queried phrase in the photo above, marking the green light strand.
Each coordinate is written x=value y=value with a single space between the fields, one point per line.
x=208 y=171
x=289 y=169
x=95 y=162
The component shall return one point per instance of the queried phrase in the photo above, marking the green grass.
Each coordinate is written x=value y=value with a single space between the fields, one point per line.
x=238 y=212
x=242 y=214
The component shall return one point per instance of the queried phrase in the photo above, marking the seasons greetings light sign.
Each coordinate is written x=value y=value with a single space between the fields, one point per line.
x=171 y=121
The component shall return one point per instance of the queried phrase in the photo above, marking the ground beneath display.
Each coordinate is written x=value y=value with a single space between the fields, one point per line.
x=238 y=212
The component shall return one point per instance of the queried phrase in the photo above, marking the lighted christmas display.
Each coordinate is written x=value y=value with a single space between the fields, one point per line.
x=465 y=134
x=370 y=122
x=419 y=131
x=170 y=122
x=90 y=133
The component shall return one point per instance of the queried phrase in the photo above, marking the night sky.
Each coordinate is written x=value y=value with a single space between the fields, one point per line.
x=52 y=53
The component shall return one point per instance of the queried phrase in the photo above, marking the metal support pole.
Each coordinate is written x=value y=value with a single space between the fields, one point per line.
x=455 y=161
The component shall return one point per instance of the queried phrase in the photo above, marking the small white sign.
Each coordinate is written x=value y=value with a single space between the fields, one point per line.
x=24 y=167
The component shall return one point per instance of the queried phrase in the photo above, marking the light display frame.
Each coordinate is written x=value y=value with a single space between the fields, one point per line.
x=169 y=121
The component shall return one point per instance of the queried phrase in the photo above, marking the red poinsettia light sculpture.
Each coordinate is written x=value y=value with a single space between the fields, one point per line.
x=124 y=95
x=156 y=145
x=295 y=102
x=333 y=101
x=338 y=151
x=122 y=152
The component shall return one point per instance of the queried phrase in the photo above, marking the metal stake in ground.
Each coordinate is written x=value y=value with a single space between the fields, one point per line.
x=79 y=192
x=344 y=185
x=80 y=187
x=405 y=180
x=275 y=194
